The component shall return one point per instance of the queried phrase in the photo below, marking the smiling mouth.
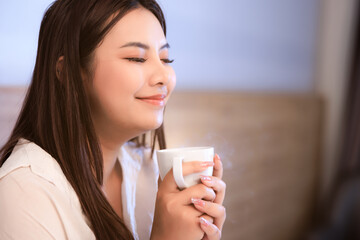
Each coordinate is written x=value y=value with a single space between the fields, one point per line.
x=157 y=100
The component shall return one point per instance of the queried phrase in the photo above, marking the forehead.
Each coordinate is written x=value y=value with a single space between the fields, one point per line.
x=137 y=25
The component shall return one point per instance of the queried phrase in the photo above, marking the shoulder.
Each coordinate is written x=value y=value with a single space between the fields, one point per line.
x=29 y=201
x=39 y=165
x=22 y=187
x=35 y=194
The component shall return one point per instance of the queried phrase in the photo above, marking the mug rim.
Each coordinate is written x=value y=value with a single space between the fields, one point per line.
x=188 y=149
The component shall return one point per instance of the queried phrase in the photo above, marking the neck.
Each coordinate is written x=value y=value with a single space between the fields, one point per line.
x=110 y=143
x=110 y=150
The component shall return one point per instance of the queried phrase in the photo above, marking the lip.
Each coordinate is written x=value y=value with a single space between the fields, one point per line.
x=157 y=100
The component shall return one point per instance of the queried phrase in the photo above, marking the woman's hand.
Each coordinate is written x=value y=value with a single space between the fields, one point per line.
x=175 y=217
x=213 y=209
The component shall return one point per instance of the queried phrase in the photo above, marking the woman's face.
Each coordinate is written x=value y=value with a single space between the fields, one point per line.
x=132 y=78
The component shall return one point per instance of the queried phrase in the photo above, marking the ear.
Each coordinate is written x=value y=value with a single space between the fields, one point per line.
x=59 y=67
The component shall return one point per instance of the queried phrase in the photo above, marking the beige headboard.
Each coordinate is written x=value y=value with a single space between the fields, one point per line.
x=269 y=144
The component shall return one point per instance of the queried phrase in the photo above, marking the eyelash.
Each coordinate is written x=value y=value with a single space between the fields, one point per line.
x=141 y=60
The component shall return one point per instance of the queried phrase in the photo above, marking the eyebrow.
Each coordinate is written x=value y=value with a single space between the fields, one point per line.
x=142 y=45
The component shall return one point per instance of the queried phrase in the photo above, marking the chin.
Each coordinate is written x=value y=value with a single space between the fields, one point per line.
x=153 y=123
x=157 y=123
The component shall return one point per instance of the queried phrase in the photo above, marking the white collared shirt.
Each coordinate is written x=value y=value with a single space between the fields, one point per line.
x=37 y=201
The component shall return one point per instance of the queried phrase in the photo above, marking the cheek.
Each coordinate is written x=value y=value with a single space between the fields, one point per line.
x=114 y=87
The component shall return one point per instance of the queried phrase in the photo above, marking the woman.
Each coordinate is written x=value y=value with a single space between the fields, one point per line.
x=76 y=165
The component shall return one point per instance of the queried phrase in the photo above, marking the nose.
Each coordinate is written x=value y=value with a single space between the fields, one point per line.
x=161 y=75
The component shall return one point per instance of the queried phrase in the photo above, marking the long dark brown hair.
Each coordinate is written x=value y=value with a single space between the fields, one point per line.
x=56 y=112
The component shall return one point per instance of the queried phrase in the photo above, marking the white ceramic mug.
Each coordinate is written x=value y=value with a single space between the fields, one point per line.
x=173 y=158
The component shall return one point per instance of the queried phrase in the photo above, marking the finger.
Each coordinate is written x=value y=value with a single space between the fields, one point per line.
x=208 y=218
x=199 y=191
x=218 y=167
x=195 y=167
x=218 y=185
x=214 y=210
x=212 y=232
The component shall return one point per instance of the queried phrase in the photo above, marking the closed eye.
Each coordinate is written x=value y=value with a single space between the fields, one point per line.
x=166 y=60
x=142 y=60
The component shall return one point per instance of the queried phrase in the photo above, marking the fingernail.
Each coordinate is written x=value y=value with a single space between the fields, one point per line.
x=207 y=164
x=206 y=178
x=204 y=222
x=217 y=157
x=198 y=202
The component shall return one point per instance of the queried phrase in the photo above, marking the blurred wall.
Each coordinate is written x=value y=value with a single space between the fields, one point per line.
x=19 y=28
x=243 y=45
x=217 y=45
